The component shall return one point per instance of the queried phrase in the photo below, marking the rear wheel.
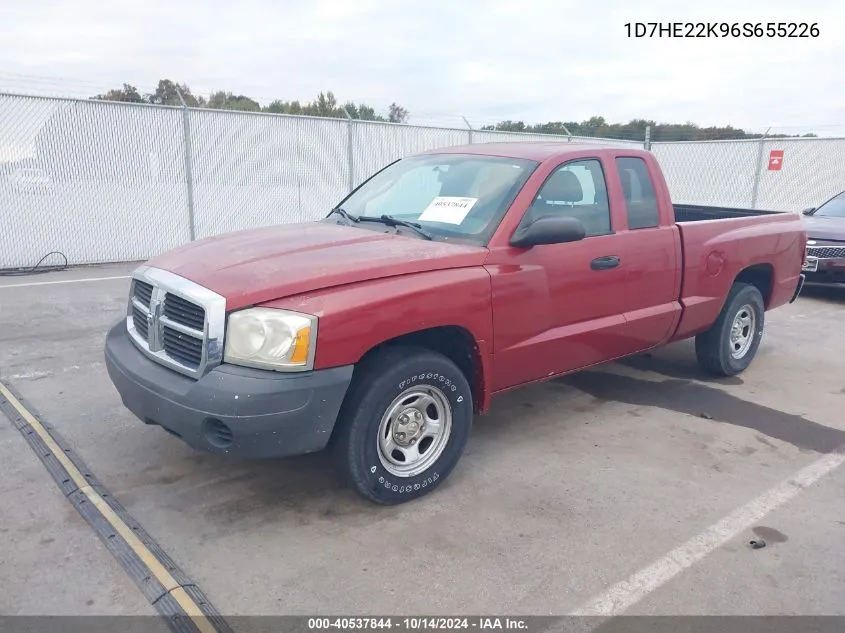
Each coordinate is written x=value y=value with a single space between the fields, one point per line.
x=729 y=346
x=404 y=425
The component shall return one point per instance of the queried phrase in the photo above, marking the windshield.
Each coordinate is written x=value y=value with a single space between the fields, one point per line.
x=834 y=208
x=450 y=195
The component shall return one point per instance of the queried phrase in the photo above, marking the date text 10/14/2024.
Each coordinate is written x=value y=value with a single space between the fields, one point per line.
x=722 y=29
x=417 y=623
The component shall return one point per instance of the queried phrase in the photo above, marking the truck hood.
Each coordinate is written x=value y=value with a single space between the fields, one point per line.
x=257 y=265
x=822 y=228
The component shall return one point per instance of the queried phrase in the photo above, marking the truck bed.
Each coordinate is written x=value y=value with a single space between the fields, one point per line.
x=767 y=245
x=699 y=213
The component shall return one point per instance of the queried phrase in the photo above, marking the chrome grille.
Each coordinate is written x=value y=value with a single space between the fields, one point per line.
x=826 y=252
x=185 y=348
x=143 y=292
x=184 y=312
x=175 y=321
x=139 y=319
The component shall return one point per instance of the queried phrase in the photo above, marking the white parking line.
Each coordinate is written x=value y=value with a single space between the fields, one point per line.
x=618 y=598
x=35 y=374
x=62 y=281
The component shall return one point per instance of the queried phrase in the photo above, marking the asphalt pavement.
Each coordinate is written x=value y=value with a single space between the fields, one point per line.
x=639 y=484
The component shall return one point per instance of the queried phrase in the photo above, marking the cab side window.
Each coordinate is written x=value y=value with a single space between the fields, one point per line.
x=640 y=199
x=577 y=189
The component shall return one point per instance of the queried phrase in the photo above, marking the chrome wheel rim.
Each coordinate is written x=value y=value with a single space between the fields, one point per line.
x=414 y=431
x=742 y=331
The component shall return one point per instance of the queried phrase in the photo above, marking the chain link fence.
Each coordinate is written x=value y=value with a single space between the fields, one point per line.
x=711 y=173
x=97 y=183
x=813 y=170
x=105 y=181
x=250 y=171
x=804 y=172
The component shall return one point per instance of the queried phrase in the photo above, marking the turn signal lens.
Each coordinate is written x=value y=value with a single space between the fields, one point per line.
x=301 y=345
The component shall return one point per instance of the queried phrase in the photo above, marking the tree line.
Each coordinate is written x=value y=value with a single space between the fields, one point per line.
x=635 y=130
x=326 y=105
x=168 y=92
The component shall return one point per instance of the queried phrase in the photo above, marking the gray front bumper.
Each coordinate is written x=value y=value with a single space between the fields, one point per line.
x=232 y=410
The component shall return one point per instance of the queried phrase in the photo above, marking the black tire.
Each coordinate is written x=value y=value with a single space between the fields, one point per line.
x=377 y=384
x=715 y=349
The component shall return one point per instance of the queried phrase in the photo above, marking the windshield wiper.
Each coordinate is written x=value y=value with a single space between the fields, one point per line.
x=389 y=220
x=343 y=213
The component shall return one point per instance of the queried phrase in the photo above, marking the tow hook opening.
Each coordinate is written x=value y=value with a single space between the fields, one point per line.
x=217 y=433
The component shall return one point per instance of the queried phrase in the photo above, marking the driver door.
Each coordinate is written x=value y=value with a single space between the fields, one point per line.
x=560 y=307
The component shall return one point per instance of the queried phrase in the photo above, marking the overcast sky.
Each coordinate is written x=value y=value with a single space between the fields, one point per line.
x=488 y=60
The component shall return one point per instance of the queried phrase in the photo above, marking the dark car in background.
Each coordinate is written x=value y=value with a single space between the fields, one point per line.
x=825 y=261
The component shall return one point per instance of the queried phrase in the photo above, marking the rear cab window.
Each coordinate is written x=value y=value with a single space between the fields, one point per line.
x=638 y=192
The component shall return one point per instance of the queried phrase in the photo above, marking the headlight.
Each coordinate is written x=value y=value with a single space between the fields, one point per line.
x=271 y=339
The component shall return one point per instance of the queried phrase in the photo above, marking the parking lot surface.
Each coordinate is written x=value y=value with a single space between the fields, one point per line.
x=568 y=489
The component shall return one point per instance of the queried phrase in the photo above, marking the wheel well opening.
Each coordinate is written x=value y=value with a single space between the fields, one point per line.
x=455 y=343
x=760 y=276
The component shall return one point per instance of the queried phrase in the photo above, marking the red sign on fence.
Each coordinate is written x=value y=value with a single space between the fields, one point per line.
x=775 y=159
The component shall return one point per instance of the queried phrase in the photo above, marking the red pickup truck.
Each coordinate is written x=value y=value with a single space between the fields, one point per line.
x=380 y=330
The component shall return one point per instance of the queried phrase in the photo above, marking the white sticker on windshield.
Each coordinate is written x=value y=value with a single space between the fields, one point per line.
x=447 y=209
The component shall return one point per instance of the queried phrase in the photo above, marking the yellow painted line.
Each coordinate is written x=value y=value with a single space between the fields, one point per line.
x=158 y=570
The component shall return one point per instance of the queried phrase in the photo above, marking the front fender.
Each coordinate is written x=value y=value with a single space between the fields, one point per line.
x=355 y=318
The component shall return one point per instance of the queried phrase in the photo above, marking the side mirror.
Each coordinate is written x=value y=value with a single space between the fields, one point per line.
x=549 y=229
x=808 y=211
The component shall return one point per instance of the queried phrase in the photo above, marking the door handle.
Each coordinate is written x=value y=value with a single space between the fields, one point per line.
x=603 y=263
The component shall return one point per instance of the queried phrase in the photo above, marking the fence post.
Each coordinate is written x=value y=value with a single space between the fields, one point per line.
x=758 y=169
x=189 y=177
x=469 y=129
x=350 y=155
x=568 y=133
x=647 y=139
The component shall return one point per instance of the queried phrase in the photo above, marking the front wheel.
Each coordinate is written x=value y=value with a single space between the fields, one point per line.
x=404 y=425
x=729 y=346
